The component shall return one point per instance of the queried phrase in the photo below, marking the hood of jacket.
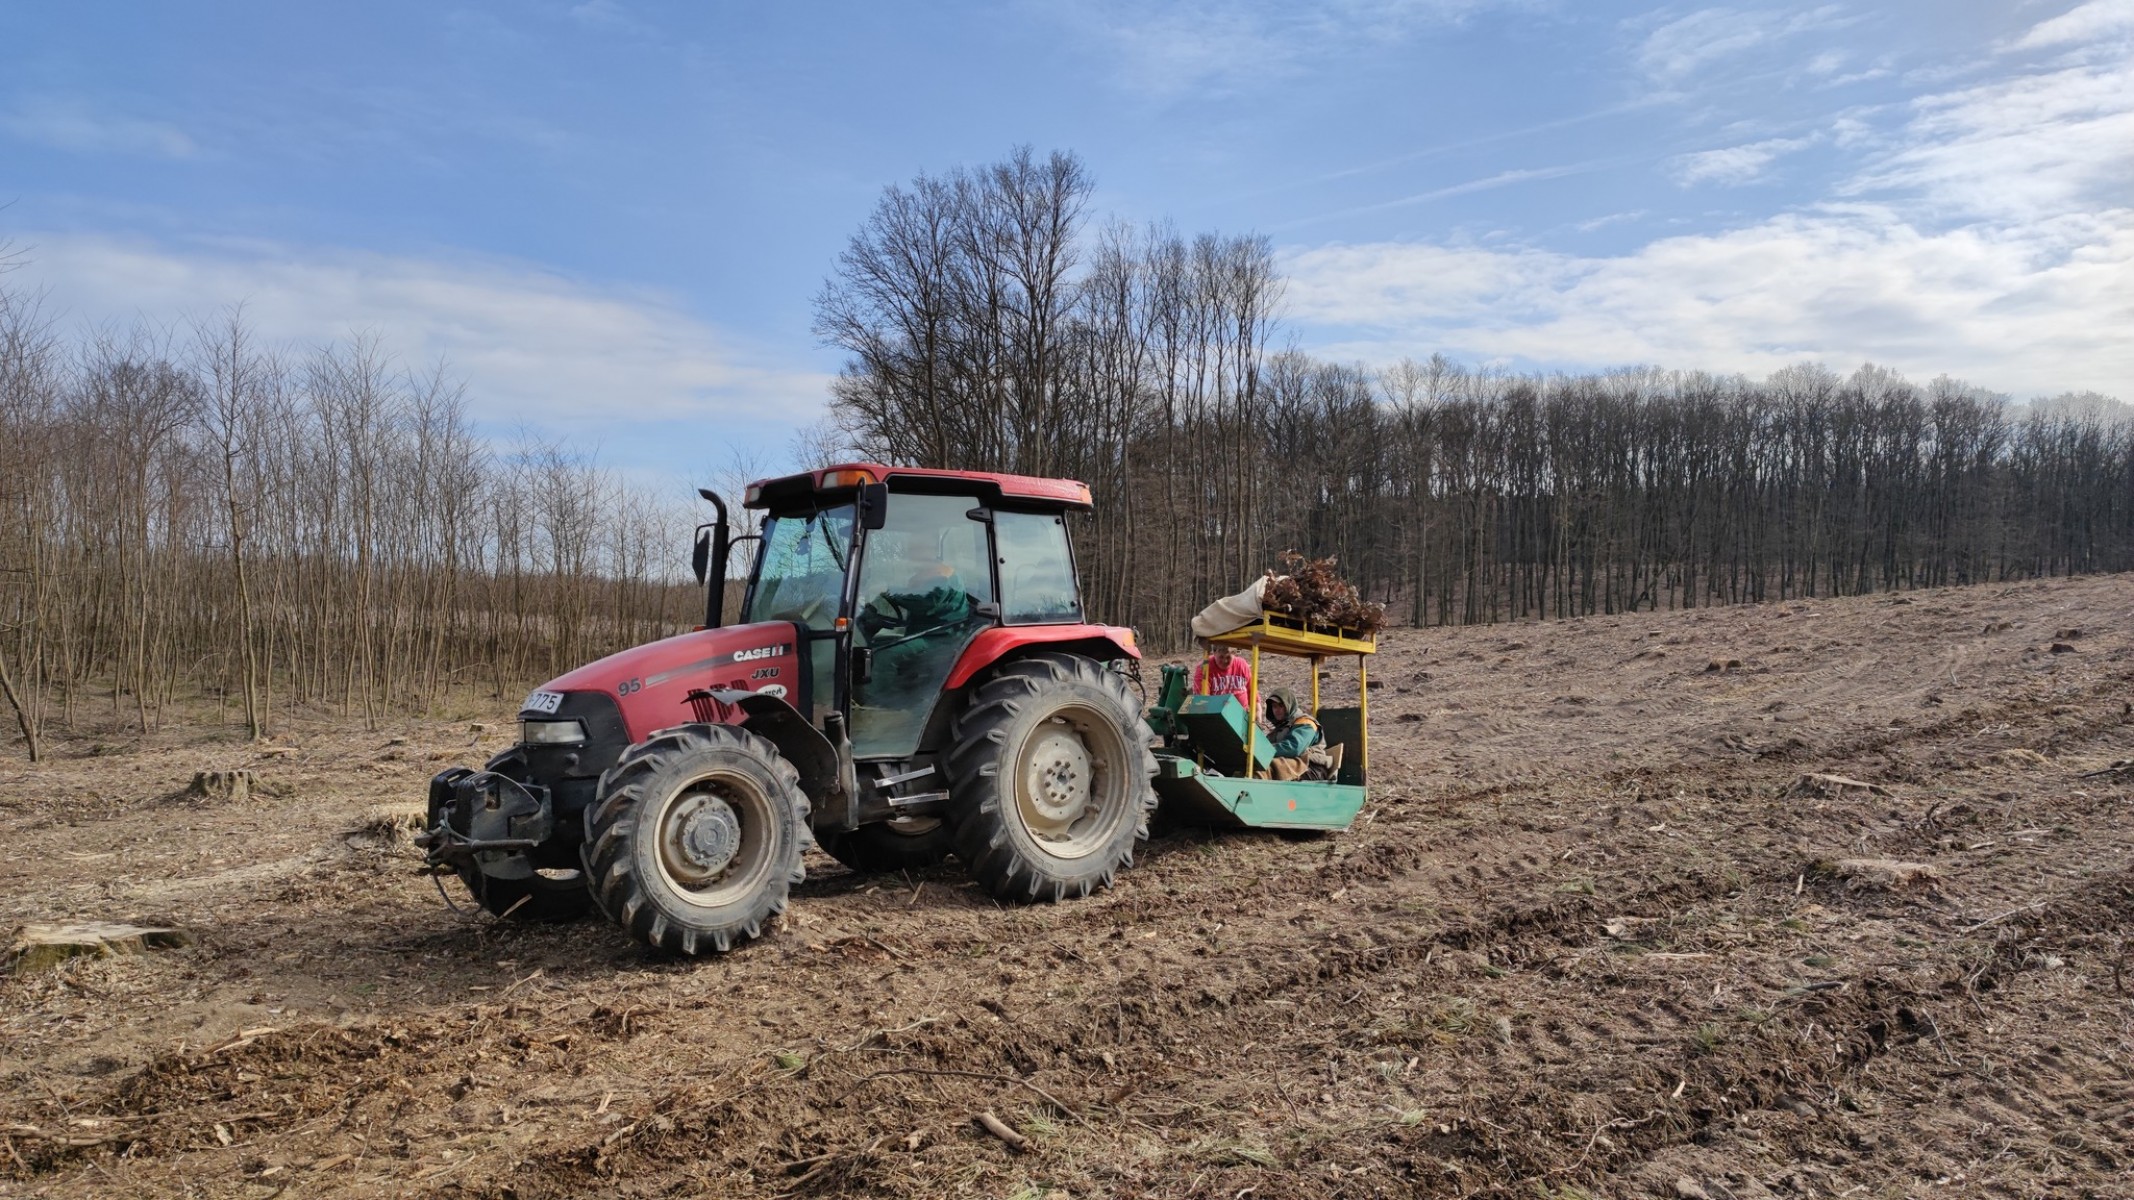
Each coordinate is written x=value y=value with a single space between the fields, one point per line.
x=1291 y=711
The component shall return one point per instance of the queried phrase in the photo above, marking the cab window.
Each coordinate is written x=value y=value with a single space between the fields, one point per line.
x=1036 y=569
x=926 y=569
x=800 y=574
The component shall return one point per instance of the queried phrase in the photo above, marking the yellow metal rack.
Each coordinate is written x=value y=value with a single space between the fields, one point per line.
x=1278 y=633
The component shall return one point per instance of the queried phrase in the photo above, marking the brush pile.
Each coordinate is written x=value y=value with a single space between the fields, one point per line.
x=1311 y=590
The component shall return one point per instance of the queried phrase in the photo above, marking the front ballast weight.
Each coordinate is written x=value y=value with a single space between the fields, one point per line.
x=487 y=821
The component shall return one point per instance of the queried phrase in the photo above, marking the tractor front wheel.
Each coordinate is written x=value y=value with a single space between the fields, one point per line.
x=696 y=838
x=1049 y=778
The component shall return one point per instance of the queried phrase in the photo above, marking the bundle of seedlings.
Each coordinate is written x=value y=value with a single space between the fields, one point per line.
x=1311 y=590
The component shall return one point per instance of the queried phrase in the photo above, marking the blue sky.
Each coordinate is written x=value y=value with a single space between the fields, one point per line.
x=610 y=217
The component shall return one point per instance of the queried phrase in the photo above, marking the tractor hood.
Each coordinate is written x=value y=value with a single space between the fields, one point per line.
x=651 y=683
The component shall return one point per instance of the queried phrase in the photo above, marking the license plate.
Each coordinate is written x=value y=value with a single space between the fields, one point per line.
x=542 y=702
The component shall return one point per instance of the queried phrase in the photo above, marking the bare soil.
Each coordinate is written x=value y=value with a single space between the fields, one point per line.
x=1811 y=899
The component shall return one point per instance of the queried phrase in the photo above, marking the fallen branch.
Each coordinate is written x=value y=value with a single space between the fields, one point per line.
x=2004 y=916
x=999 y=1128
x=1825 y=784
x=244 y=1038
x=1049 y=1098
x=75 y=1141
x=823 y=1162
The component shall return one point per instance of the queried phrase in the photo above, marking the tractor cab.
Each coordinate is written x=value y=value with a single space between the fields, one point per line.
x=903 y=586
x=893 y=574
x=1216 y=767
x=904 y=582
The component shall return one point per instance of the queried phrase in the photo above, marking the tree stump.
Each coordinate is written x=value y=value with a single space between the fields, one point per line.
x=40 y=947
x=223 y=785
x=391 y=825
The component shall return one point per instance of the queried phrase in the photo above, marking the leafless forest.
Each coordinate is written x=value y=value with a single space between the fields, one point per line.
x=195 y=518
x=991 y=323
x=198 y=519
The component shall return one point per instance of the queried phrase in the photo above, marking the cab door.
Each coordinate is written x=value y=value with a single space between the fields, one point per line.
x=925 y=589
x=800 y=577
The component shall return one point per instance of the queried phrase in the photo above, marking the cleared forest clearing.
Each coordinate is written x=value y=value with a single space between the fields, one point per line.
x=1805 y=899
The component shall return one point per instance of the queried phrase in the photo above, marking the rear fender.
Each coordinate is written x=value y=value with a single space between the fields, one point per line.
x=999 y=644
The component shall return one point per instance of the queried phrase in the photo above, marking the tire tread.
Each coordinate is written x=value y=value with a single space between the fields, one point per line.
x=979 y=742
x=612 y=829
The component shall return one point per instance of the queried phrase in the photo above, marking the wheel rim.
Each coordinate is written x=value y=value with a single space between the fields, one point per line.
x=1068 y=789
x=713 y=839
x=912 y=826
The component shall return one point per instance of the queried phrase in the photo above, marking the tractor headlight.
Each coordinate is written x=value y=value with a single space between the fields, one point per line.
x=551 y=733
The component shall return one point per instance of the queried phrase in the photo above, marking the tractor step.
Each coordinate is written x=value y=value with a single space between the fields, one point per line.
x=905 y=777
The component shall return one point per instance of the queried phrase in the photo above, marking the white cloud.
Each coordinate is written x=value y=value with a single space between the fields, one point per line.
x=1851 y=129
x=2091 y=22
x=1990 y=236
x=560 y=355
x=2023 y=314
x=1215 y=46
x=1685 y=46
x=2019 y=147
x=68 y=125
x=1607 y=219
x=1732 y=166
x=1826 y=63
x=1465 y=187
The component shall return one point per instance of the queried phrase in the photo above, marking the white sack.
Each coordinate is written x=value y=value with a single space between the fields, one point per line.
x=1231 y=612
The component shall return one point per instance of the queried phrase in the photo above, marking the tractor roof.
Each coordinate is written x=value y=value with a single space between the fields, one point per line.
x=988 y=485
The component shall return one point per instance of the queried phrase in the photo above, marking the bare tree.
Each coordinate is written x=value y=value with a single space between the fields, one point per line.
x=239 y=383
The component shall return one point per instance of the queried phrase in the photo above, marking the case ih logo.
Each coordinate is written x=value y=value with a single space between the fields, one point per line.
x=716 y=661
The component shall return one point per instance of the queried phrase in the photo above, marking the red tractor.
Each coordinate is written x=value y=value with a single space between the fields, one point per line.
x=912 y=676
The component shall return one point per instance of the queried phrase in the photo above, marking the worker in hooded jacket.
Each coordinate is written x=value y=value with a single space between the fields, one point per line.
x=1291 y=733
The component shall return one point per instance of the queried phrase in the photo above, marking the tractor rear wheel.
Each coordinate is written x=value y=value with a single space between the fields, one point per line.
x=561 y=897
x=696 y=838
x=1049 y=778
x=904 y=844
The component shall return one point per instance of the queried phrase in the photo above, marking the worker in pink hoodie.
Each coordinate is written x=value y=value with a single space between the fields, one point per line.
x=1224 y=674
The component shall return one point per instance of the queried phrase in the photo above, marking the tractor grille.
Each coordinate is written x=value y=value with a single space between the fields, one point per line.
x=572 y=773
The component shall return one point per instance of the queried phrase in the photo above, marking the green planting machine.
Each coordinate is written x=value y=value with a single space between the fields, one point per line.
x=1212 y=766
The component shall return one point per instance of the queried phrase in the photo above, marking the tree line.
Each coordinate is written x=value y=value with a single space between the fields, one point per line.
x=197 y=515
x=989 y=323
x=193 y=515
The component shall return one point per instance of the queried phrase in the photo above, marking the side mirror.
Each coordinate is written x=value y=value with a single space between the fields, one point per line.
x=873 y=505
x=700 y=557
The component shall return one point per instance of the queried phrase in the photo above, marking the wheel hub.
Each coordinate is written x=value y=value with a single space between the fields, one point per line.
x=1059 y=775
x=710 y=836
